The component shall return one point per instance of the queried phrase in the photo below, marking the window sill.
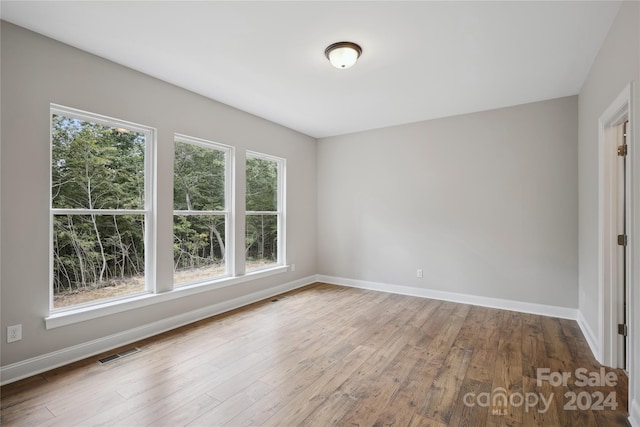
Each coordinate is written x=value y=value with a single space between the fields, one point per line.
x=83 y=314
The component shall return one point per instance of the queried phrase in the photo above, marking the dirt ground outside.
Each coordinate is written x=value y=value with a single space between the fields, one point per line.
x=135 y=285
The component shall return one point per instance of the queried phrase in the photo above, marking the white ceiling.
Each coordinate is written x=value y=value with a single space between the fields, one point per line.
x=421 y=60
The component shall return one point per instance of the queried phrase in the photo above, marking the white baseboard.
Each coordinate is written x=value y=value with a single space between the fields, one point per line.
x=45 y=362
x=524 y=307
x=590 y=337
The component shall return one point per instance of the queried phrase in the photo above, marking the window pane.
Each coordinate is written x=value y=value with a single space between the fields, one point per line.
x=261 y=242
x=262 y=185
x=95 y=166
x=97 y=257
x=198 y=178
x=198 y=248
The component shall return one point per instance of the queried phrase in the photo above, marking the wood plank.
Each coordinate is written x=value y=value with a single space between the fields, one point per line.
x=381 y=387
x=314 y=396
x=154 y=404
x=542 y=409
x=97 y=402
x=534 y=352
x=443 y=395
x=403 y=403
x=421 y=421
x=185 y=413
x=470 y=413
x=225 y=411
x=33 y=416
x=508 y=374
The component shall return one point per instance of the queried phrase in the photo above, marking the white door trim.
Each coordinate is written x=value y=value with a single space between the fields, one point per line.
x=608 y=257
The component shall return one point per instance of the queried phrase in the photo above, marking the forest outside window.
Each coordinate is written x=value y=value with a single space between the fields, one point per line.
x=102 y=220
x=201 y=189
x=264 y=233
x=101 y=231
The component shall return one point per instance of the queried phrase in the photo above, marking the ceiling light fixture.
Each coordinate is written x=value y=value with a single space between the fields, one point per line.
x=343 y=54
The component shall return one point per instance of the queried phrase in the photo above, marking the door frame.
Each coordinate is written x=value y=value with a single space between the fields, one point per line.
x=608 y=258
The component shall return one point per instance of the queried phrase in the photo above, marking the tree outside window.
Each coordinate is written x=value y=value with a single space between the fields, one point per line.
x=98 y=208
x=264 y=208
x=200 y=210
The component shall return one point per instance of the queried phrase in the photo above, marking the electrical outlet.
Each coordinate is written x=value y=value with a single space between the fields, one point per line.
x=293 y=267
x=419 y=273
x=14 y=333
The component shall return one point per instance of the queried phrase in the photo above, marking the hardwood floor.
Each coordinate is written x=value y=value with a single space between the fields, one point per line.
x=327 y=355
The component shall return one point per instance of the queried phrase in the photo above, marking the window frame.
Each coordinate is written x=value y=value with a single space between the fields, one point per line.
x=280 y=205
x=148 y=211
x=153 y=293
x=228 y=212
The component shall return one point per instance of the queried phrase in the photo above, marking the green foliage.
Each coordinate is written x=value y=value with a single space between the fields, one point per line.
x=198 y=241
x=261 y=238
x=78 y=259
x=96 y=167
x=262 y=185
x=198 y=178
x=198 y=185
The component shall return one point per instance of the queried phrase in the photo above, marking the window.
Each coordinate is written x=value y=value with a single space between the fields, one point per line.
x=201 y=188
x=102 y=210
x=101 y=234
x=264 y=237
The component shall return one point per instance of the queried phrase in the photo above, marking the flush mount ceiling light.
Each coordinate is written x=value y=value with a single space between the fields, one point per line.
x=343 y=54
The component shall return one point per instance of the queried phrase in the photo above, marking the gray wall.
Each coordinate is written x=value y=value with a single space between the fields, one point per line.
x=37 y=71
x=486 y=204
x=617 y=64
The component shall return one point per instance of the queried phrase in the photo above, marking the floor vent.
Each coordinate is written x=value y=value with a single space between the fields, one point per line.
x=117 y=356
